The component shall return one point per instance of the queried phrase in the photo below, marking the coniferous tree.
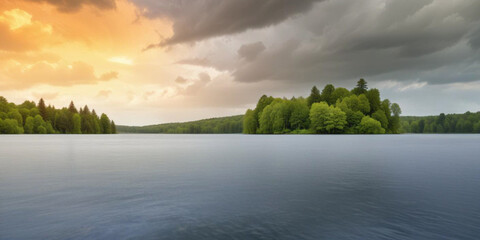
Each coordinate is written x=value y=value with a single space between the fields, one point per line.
x=361 y=87
x=42 y=109
x=327 y=93
x=72 y=108
x=314 y=97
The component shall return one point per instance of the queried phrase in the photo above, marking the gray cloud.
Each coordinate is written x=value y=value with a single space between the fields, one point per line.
x=425 y=47
x=250 y=51
x=195 y=20
x=75 y=5
x=432 y=41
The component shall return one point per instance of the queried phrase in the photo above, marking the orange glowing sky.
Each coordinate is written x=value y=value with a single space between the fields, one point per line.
x=146 y=62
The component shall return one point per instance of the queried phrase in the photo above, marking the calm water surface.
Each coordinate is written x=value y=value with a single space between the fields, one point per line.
x=240 y=187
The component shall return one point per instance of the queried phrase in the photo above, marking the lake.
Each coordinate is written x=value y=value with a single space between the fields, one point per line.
x=239 y=187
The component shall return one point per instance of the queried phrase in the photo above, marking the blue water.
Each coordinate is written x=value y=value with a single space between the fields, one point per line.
x=240 y=187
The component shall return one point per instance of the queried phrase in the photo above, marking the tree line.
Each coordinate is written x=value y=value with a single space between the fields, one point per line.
x=31 y=118
x=333 y=111
x=444 y=123
x=231 y=124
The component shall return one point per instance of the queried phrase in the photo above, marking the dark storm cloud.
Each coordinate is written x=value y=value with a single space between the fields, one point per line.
x=250 y=51
x=432 y=41
x=75 y=5
x=195 y=20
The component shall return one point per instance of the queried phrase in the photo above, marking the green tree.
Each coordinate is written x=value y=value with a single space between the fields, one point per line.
x=105 y=124
x=9 y=126
x=314 y=96
x=361 y=87
x=15 y=114
x=380 y=116
x=72 y=108
x=340 y=93
x=266 y=120
x=41 y=130
x=355 y=103
x=369 y=125
x=77 y=124
x=113 y=127
x=29 y=125
x=327 y=119
x=42 y=109
x=62 y=121
x=394 y=123
x=476 y=127
x=299 y=116
x=336 y=120
x=373 y=96
x=249 y=122
x=263 y=102
x=327 y=94
x=37 y=123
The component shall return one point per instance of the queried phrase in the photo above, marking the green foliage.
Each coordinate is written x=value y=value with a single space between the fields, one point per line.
x=380 y=116
x=327 y=94
x=355 y=103
x=77 y=124
x=373 y=96
x=443 y=123
x=361 y=87
x=318 y=116
x=300 y=112
x=29 y=125
x=231 y=124
x=327 y=119
x=335 y=110
x=42 y=109
x=262 y=103
x=41 y=130
x=29 y=118
x=37 y=123
x=314 y=96
x=250 y=122
x=369 y=125
x=113 y=127
x=105 y=124
x=15 y=114
x=340 y=93
x=9 y=126
x=336 y=120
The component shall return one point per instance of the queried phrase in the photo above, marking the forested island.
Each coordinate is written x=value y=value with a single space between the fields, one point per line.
x=333 y=111
x=31 y=118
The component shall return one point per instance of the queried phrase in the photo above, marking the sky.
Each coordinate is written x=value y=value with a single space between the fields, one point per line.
x=149 y=61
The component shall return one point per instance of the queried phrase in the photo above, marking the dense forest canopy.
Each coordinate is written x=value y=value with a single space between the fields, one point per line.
x=231 y=124
x=31 y=118
x=331 y=111
x=443 y=123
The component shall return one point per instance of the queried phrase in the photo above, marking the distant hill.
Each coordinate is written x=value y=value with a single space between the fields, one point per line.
x=231 y=124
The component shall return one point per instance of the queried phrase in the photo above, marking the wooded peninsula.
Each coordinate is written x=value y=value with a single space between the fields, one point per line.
x=31 y=118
